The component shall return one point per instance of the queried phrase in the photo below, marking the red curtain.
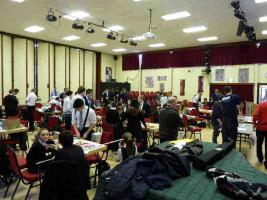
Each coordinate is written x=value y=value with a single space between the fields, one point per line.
x=182 y=87
x=245 y=91
x=224 y=55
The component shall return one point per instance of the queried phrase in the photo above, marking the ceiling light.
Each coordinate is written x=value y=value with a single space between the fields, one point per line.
x=177 y=15
x=263 y=19
x=71 y=37
x=157 y=45
x=90 y=30
x=110 y=36
x=113 y=28
x=34 y=29
x=264 y=32
x=19 y=1
x=137 y=0
x=79 y=14
x=78 y=26
x=119 y=50
x=123 y=40
x=51 y=16
x=69 y=17
x=205 y=39
x=100 y=44
x=260 y=1
x=132 y=43
x=138 y=38
x=195 y=29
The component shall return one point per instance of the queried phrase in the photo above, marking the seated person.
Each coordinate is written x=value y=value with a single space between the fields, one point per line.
x=55 y=102
x=127 y=147
x=73 y=153
x=205 y=102
x=39 y=151
x=112 y=116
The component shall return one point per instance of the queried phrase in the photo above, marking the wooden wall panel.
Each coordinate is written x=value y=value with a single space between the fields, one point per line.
x=43 y=72
x=30 y=65
x=1 y=69
x=51 y=84
x=60 y=71
x=89 y=72
x=74 y=69
x=7 y=64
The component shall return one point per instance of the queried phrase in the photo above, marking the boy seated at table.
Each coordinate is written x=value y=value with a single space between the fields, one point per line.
x=71 y=152
x=39 y=151
x=127 y=147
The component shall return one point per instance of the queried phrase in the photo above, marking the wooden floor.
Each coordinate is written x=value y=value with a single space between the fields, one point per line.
x=206 y=136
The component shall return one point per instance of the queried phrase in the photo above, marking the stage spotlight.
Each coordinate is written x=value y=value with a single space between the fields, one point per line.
x=90 y=30
x=78 y=26
x=235 y=4
x=51 y=16
x=123 y=40
x=110 y=36
x=132 y=43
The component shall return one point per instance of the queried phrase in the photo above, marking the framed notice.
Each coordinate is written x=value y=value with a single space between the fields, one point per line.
x=108 y=74
x=262 y=96
x=219 y=74
x=243 y=76
x=149 y=82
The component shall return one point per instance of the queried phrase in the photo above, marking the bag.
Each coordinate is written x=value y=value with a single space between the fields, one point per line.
x=102 y=166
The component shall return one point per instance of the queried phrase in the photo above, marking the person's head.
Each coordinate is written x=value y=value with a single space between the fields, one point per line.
x=43 y=135
x=16 y=91
x=227 y=90
x=128 y=138
x=81 y=90
x=33 y=90
x=172 y=101
x=141 y=98
x=11 y=91
x=78 y=104
x=69 y=93
x=216 y=91
x=113 y=104
x=89 y=92
x=66 y=89
x=134 y=103
x=205 y=100
x=65 y=138
x=200 y=94
x=106 y=90
x=55 y=88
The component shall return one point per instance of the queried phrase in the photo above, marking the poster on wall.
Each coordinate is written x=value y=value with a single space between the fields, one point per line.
x=162 y=78
x=200 y=83
x=161 y=87
x=243 y=76
x=149 y=82
x=182 y=87
x=262 y=93
x=219 y=75
x=108 y=74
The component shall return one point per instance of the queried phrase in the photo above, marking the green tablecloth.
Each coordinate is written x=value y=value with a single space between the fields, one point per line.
x=199 y=187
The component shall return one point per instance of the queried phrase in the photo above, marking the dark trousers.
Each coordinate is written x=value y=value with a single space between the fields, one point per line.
x=229 y=129
x=261 y=136
x=216 y=132
x=164 y=140
x=67 y=120
x=30 y=110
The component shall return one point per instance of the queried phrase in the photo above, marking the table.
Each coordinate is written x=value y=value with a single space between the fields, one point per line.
x=204 y=111
x=199 y=187
x=246 y=119
x=22 y=129
x=244 y=131
x=54 y=112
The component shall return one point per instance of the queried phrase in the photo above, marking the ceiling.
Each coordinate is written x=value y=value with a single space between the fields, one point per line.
x=217 y=15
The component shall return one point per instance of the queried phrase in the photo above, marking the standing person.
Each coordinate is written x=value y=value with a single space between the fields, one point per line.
x=124 y=95
x=11 y=104
x=216 y=119
x=30 y=101
x=78 y=95
x=106 y=97
x=230 y=104
x=54 y=92
x=260 y=122
x=169 y=121
x=164 y=99
x=83 y=119
x=197 y=100
x=144 y=106
x=135 y=117
x=113 y=116
x=88 y=99
x=216 y=95
x=64 y=93
x=67 y=109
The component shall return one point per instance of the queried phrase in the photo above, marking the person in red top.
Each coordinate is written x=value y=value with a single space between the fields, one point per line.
x=260 y=121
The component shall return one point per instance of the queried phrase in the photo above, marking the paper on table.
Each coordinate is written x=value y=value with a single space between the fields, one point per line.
x=179 y=145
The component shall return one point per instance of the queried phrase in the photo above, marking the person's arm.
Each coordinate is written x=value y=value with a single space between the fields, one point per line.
x=256 y=115
x=74 y=124
x=92 y=119
x=179 y=120
x=142 y=119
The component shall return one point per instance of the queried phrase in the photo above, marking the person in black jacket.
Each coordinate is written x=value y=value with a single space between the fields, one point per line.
x=11 y=104
x=88 y=99
x=112 y=116
x=216 y=119
x=71 y=152
x=39 y=151
x=144 y=106
x=169 y=121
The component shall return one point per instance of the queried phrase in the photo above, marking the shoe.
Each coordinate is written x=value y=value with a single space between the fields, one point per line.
x=265 y=164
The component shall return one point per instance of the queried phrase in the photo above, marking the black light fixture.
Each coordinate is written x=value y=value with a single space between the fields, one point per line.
x=51 y=16
x=235 y=4
x=90 y=30
x=110 y=36
x=132 y=43
x=123 y=39
x=77 y=25
x=240 y=15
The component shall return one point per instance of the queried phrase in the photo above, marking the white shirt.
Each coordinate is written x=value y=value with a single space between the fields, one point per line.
x=31 y=99
x=141 y=106
x=67 y=109
x=163 y=100
x=196 y=99
x=91 y=119
x=74 y=98
x=54 y=101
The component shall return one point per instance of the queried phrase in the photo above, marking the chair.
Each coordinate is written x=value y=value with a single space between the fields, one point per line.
x=23 y=176
x=37 y=117
x=38 y=105
x=52 y=122
x=188 y=128
x=206 y=107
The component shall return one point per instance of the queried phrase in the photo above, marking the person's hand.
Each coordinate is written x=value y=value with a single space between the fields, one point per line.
x=78 y=135
x=85 y=135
